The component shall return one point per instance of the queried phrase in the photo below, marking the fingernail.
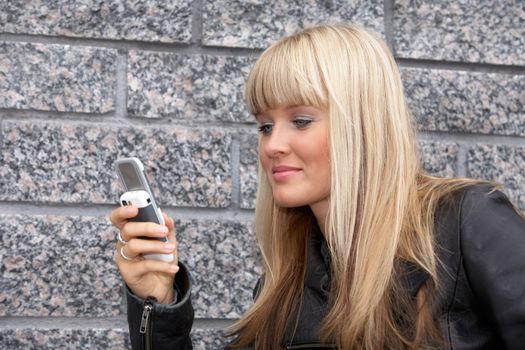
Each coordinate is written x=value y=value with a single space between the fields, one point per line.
x=169 y=247
x=174 y=268
x=161 y=229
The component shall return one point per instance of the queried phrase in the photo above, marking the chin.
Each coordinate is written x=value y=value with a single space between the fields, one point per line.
x=288 y=202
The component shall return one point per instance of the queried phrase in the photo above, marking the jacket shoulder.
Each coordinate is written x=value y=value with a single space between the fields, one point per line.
x=492 y=243
x=472 y=201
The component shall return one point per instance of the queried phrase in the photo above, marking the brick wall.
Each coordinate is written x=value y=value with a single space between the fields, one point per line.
x=83 y=83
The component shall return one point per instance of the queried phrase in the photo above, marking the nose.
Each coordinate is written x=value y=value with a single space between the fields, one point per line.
x=275 y=144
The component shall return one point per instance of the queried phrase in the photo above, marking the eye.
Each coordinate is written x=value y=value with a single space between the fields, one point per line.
x=265 y=129
x=302 y=122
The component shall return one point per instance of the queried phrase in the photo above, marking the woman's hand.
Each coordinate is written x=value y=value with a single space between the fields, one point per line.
x=145 y=277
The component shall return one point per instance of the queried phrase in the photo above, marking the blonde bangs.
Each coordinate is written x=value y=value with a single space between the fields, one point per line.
x=287 y=74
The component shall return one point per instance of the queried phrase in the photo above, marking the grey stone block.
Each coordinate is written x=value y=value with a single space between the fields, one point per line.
x=72 y=273
x=501 y=163
x=57 y=77
x=47 y=162
x=150 y=20
x=248 y=169
x=58 y=266
x=187 y=166
x=75 y=163
x=439 y=158
x=257 y=24
x=472 y=31
x=205 y=339
x=97 y=338
x=466 y=101
x=191 y=87
x=60 y=338
x=223 y=259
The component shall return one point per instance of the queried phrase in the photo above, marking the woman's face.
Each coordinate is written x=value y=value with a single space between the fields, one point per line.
x=294 y=153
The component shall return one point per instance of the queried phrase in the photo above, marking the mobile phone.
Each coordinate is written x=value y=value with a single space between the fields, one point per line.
x=138 y=193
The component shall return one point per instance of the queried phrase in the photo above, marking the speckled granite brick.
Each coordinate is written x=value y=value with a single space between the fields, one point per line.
x=248 y=168
x=193 y=87
x=439 y=158
x=75 y=163
x=466 y=101
x=71 y=338
x=59 y=338
x=224 y=263
x=470 y=30
x=57 y=77
x=47 y=162
x=149 y=20
x=206 y=339
x=58 y=266
x=187 y=167
x=258 y=23
x=501 y=163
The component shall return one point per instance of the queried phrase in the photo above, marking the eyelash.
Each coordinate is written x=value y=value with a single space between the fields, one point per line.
x=299 y=123
x=302 y=122
x=263 y=129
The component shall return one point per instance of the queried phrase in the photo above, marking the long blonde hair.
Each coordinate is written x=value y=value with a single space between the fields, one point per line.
x=381 y=206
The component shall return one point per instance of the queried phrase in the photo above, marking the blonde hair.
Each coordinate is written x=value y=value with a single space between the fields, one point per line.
x=381 y=206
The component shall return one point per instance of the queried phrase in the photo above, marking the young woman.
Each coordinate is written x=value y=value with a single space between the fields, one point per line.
x=361 y=249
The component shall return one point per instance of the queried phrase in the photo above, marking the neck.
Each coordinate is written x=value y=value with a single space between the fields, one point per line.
x=320 y=210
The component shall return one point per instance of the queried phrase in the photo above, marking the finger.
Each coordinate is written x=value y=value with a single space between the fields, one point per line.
x=119 y=216
x=171 y=227
x=126 y=258
x=168 y=221
x=137 y=247
x=145 y=266
x=133 y=229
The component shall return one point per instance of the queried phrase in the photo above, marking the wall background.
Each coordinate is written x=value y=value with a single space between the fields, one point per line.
x=83 y=83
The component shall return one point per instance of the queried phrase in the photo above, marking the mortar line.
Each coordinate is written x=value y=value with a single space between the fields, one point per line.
x=235 y=173
x=197 y=23
x=114 y=120
x=462 y=160
x=470 y=138
x=388 y=6
x=473 y=67
x=121 y=88
x=103 y=210
x=116 y=44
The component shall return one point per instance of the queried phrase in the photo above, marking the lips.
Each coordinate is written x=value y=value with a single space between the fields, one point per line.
x=282 y=172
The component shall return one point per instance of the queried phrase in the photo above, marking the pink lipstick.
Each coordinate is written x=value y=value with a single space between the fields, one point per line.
x=283 y=172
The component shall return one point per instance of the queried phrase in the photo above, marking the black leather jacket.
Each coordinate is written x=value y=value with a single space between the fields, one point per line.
x=481 y=306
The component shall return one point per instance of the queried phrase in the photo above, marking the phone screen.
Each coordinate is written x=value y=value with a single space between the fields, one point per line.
x=129 y=176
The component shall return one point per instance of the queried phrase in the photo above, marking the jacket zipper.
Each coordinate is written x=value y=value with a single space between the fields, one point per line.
x=145 y=323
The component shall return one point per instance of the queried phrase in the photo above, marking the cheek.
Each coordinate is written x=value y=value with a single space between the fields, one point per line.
x=320 y=151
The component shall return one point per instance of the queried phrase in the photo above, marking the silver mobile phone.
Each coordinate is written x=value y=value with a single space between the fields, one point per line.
x=138 y=193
